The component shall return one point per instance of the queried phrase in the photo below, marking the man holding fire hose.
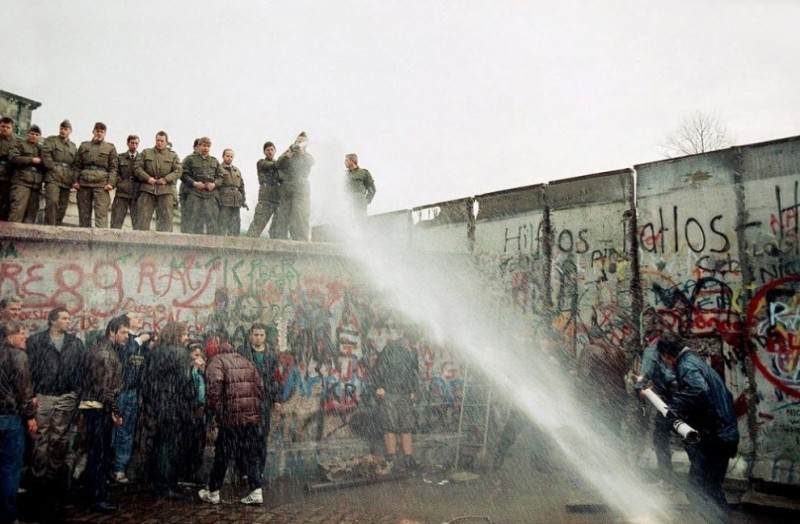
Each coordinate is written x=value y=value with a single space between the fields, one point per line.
x=702 y=400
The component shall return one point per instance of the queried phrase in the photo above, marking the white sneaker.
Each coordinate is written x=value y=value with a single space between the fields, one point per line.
x=255 y=497
x=212 y=497
x=120 y=478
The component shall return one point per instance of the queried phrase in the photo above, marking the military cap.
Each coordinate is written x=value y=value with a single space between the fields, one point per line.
x=34 y=129
x=66 y=123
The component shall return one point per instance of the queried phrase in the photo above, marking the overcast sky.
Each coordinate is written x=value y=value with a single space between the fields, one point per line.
x=440 y=100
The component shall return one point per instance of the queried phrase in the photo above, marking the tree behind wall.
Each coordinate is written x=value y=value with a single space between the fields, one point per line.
x=698 y=133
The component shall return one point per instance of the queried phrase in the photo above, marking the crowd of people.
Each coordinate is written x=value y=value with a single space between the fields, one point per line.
x=50 y=384
x=61 y=400
x=145 y=183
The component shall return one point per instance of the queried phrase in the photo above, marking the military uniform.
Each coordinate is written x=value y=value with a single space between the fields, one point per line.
x=59 y=154
x=6 y=170
x=96 y=166
x=269 y=182
x=295 y=196
x=361 y=189
x=231 y=199
x=26 y=182
x=127 y=191
x=158 y=164
x=201 y=212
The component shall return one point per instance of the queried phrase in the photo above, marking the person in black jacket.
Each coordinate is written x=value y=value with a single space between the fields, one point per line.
x=702 y=400
x=56 y=360
x=102 y=383
x=168 y=399
x=17 y=408
x=396 y=380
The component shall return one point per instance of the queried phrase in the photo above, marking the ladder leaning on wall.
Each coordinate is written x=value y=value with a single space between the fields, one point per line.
x=473 y=421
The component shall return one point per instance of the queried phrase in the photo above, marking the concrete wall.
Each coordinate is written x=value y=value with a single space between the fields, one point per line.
x=711 y=243
x=331 y=323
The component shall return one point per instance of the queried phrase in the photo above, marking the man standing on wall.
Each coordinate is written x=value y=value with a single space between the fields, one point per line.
x=96 y=166
x=7 y=141
x=26 y=183
x=202 y=175
x=59 y=154
x=127 y=186
x=101 y=385
x=56 y=359
x=360 y=185
x=702 y=400
x=295 y=193
x=231 y=197
x=269 y=182
x=17 y=409
x=397 y=380
x=158 y=169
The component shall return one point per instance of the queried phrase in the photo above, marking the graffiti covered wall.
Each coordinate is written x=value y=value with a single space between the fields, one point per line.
x=331 y=324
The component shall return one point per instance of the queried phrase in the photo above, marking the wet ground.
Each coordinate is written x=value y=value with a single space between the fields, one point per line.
x=518 y=493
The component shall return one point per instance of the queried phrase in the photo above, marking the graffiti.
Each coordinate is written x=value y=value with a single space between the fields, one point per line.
x=773 y=321
x=528 y=239
x=8 y=250
x=661 y=236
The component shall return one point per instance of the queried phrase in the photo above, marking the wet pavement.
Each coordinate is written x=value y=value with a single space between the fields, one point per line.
x=519 y=493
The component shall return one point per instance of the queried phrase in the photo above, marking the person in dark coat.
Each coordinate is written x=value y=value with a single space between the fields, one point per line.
x=102 y=382
x=168 y=399
x=234 y=392
x=56 y=358
x=260 y=350
x=396 y=382
x=17 y=409
x=701 y=400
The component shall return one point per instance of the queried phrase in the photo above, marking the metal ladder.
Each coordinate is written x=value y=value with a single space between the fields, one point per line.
x=473 y=419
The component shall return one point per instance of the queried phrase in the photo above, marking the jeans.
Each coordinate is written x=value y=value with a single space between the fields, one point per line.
x=122 y=437
x=12 y=445
x=708 y=465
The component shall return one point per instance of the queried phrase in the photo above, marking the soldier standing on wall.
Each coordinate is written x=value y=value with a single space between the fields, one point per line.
x=295 y=193
x=26 y=183
x=231 y=196
x=59 y=154
x=360 y=185
x=96 y=164
x=158 y=169
x=202 y=175
x=7 y=141
x=269 y=182
x=127 y=186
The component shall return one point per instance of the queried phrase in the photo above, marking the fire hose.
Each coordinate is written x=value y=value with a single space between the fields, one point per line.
x=688 y=433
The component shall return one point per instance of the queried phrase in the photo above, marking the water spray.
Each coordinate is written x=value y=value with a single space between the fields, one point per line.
x=687 y=432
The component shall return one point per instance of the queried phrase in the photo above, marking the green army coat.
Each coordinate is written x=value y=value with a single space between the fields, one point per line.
x=360 y=183
x=5 y=148
x=127 y=181
x=269 y=180
x=231 y=191
x=58 y=158
x=158 y=163
x=26 y=173
x=96 y=164
x=199 y=169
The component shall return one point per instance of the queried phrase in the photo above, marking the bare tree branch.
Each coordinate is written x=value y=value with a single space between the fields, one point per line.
x=698 y=133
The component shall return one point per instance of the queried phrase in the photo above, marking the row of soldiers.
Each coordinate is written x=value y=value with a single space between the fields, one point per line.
x=211 y=193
